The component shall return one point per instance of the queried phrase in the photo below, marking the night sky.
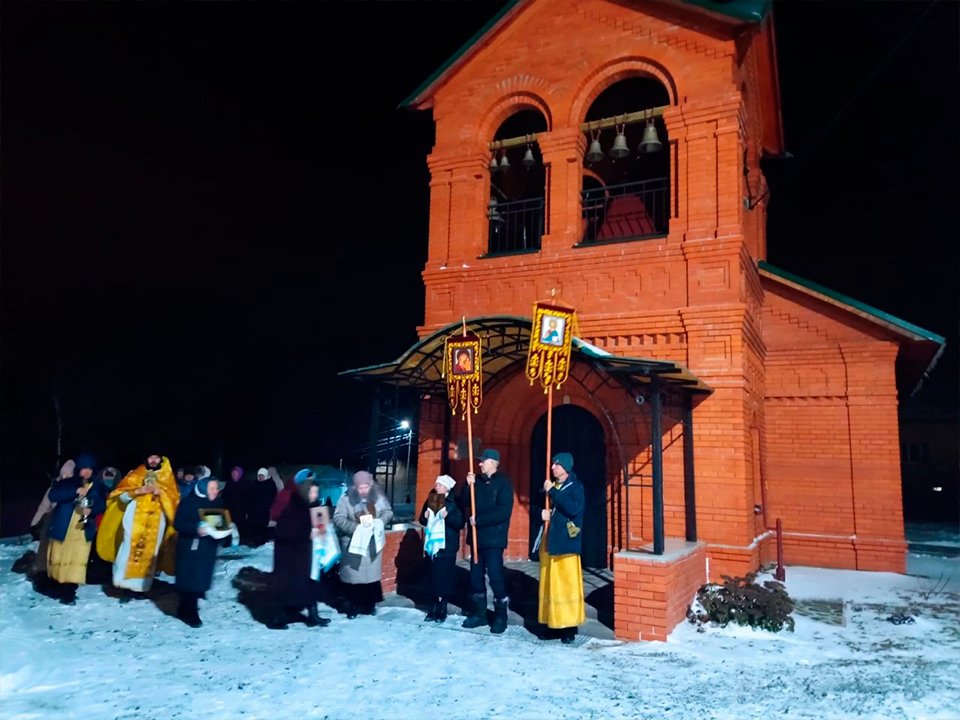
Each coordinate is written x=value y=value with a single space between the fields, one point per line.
x=198 y=198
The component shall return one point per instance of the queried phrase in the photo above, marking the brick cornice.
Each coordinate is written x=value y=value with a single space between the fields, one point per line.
x=437 y=162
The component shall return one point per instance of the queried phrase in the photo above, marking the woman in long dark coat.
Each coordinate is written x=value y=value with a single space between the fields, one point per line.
x=293 y=553
x=439 y=507
x=196 y=548
x=262 y=494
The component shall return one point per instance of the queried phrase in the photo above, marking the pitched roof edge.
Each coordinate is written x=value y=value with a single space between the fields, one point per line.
x=868 y=312
x=745 y=11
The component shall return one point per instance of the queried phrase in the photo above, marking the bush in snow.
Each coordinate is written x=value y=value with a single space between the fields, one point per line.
x=742 y=601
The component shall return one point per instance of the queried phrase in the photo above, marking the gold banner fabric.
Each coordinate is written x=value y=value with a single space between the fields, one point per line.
x=551 y=339
x=463 y=369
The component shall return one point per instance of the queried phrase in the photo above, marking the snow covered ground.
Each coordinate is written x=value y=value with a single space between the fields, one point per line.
x=100 y=660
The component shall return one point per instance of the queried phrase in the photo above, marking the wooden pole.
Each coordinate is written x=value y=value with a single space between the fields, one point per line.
x=473 y=493
x=546 y=524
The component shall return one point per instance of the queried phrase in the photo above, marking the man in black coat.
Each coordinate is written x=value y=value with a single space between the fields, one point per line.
x=494 y=505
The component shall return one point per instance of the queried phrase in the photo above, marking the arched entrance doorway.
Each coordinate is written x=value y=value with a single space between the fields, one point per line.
x=578 y=432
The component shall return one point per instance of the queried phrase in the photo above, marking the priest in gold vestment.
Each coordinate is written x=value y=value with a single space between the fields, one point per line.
x=136 y=533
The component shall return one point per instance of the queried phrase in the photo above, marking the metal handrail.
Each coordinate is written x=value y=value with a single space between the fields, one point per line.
x=631 y=210
x=515 y=226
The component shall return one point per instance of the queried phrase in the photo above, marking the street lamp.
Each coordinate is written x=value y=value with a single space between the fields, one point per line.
x=405 y=425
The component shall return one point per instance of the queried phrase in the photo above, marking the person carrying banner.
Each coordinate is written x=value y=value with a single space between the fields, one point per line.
x=494 y=506
x=561 y=574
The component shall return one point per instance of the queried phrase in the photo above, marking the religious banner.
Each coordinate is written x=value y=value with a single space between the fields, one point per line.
x=462 y=368
x=551 y=339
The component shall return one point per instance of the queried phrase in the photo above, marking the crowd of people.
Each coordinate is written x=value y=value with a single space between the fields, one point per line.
x=94 y=525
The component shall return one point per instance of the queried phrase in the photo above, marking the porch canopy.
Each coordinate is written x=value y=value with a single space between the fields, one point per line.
x=506 y=340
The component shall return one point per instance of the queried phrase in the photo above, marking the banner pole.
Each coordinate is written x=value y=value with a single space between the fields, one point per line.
x=473 y=493
x=546 y=523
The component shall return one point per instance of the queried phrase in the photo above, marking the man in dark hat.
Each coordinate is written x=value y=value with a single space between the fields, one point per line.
x=561 y=575
x=494 y=505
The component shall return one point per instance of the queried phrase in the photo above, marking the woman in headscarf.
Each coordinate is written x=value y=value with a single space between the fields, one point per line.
x=40 y=523
x=196 y=547
x=293 y=589
x=73 y=527
x=235 y=499
x=262 y=494
x=442 y=521
x=361 y=516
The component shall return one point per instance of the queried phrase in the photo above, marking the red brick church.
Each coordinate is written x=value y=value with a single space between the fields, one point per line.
x=607 y=153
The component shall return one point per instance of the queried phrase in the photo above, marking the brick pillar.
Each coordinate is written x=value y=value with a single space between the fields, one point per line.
x=651 y=593
x=711 y=150
x=562 y=152
x=459 y=194
x=875 y=456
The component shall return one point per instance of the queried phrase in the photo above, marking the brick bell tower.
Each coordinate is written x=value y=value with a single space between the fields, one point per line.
x=609 y=152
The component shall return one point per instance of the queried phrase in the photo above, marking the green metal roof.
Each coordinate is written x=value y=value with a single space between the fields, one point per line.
x=746 y=10
x=914 y=331
x=742 y=10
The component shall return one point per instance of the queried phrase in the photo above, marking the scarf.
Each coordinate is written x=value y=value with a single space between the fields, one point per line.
x=435 y=534
x=364 y=534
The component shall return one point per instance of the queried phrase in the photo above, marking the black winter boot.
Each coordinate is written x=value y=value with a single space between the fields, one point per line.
x=313 y=617
x=68 y=594
x=477 y=613
x=499 y=623
x=441 y=613
x=188 y=612
x=431 y=613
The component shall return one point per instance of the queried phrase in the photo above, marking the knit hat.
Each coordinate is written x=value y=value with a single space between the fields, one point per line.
x=362 y=476
x=303 y=476
x=564 y=460
x=490 y=454
x=264 y=472
x=447 y=481
x=85 y=461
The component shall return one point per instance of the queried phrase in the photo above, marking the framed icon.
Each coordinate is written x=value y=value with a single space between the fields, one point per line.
x=463 y=363
x=320 y=516
x=217 y=518
x=551 y=329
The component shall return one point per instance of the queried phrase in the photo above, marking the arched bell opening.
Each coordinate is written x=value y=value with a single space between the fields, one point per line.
x=515 y=212
x=626 y=180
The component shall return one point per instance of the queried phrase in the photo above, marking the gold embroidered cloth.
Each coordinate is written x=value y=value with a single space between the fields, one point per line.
x=146 y=519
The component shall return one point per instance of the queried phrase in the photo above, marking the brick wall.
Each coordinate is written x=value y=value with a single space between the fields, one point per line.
x=651 y=594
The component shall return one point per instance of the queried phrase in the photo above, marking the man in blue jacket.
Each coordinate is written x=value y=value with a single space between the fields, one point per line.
x=561 y=575
x=494 y=505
